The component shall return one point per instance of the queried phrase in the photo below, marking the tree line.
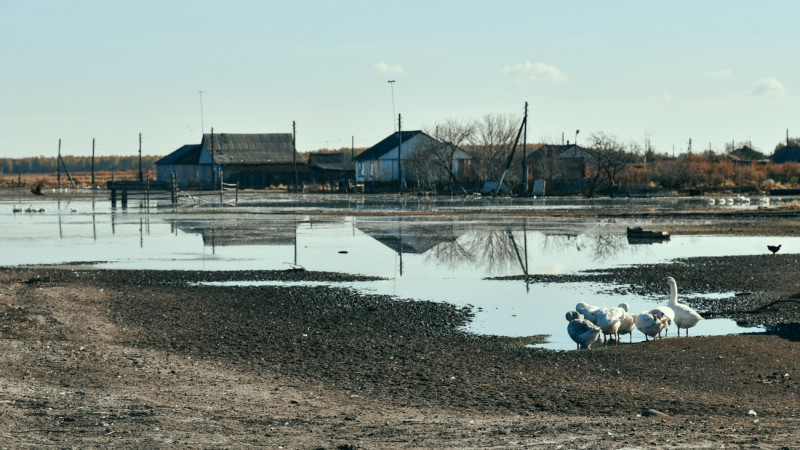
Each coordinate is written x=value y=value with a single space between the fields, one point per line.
x=44 y=164
x=608 y=164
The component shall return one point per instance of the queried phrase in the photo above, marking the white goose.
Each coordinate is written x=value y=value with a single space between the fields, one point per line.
x=665 y=311
x=609 y=320
x=589 y=312
x=685 y=317
x=583 y=332
x=628 y=322
x=650 y=324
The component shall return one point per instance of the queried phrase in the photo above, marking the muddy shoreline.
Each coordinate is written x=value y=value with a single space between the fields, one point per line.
x=153 y=359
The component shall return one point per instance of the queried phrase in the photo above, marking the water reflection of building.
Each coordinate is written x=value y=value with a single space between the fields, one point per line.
x=228 y=233
x=406 y=236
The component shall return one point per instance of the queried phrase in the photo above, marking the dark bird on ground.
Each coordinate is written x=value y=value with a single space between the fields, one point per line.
x=37 y=190
x=774 y=248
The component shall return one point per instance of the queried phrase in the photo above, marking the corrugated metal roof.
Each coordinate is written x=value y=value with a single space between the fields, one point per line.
x=270 y=148
x=188 y=154
x=385 y=146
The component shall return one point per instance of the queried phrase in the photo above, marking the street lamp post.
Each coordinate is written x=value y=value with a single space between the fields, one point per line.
x=391 y=84
x=202 y=125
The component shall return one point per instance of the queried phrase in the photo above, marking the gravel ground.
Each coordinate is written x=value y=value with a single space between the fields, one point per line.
x=97 y=358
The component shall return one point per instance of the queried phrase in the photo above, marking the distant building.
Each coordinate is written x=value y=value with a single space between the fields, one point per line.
x=387 y=161
x=559 y=163
x=331 y=167
x=790 y=153
x=184 y=163
x=747 y=154
x=253 y=160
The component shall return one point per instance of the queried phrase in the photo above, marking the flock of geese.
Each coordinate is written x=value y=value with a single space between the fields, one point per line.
x=596 y=320
x=29 y=209
x=737 y=200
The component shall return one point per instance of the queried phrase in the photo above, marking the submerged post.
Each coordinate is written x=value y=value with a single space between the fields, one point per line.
x=174 y=190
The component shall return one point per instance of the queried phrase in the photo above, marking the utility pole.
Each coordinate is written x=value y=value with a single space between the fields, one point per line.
x=202 y=125
x=525 y=152
x=391 y=84
x=399 y=151
x=352 y=147
x=140 y=158
x=58 y=164
x=92 y=162
x=294 y=155
x=213 y=171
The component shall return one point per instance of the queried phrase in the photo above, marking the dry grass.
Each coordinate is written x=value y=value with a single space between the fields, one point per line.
x=81 y=179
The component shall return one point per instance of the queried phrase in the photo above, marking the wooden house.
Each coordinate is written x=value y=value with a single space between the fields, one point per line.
x=252 y=160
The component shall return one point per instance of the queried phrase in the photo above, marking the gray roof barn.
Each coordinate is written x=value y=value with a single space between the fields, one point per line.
x=251 y=160
x=268 y=148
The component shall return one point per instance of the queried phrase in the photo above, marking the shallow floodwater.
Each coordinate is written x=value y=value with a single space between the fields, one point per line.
x=439 y=258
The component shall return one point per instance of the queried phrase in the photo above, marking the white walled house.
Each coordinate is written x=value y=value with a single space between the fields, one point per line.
x=388 y=160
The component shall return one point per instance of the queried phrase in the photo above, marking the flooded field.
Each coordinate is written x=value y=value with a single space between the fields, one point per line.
x=443 y=257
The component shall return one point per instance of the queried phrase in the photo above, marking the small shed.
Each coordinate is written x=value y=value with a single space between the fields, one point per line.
x=331 y=166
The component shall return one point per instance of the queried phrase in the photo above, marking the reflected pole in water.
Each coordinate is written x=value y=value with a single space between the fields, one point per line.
x=141 y=236
x=525 y=249
x=401 y=246
x=522 y=264
x=94 y=227
x=60 y=235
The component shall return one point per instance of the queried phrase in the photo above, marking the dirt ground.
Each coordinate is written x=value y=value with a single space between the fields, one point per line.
x=143 y=359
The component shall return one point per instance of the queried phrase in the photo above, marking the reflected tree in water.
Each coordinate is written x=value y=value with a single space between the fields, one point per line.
x=503 y=251
x=492 y=249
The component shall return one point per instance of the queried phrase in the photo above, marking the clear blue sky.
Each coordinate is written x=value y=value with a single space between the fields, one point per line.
x=712 y=71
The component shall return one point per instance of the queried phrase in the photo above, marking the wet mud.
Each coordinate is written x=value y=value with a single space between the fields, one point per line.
x=154 y=359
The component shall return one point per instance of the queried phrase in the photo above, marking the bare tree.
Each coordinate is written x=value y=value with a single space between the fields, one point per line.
x=449 y=137
x=491 y=143
x=609 y=158
x=435 y=161
x=791 y=141
x=674 y=174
